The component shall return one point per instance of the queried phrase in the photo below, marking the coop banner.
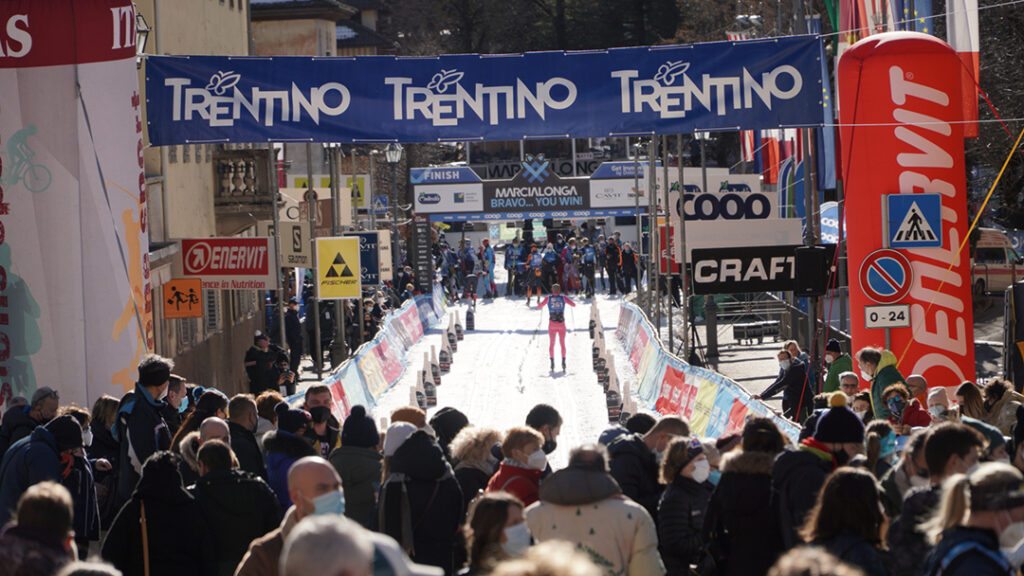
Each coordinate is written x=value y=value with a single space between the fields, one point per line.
x=664 y=89
x=74 y=279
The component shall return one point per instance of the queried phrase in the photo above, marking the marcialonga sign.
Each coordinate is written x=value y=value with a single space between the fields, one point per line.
x=338 y=268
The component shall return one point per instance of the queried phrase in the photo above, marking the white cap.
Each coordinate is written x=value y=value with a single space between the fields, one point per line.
x=396 y=435
x=387 y=551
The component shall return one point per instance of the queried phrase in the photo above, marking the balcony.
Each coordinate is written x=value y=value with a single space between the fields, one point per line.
x=242 y=189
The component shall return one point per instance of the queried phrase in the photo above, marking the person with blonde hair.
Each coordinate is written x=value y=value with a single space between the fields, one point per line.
x=524 y=461
x=980 y=513
x=471 y=448
x=811 y=561
x=549 y=559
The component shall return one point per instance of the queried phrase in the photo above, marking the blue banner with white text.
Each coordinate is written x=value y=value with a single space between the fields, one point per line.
x=748 y=85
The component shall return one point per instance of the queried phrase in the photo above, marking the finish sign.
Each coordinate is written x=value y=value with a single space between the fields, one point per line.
x=885 y=276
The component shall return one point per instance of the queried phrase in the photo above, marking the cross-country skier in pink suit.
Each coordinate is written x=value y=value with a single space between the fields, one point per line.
x=556 y=320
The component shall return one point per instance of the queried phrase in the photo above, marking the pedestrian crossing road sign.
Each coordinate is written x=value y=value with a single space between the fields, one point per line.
x=914 y=220
x=338 y=268
x=380 y=204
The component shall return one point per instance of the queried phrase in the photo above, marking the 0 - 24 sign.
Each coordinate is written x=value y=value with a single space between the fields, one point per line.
x=892 y=316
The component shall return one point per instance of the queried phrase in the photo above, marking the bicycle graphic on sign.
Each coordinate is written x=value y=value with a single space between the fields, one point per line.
x=36 y=177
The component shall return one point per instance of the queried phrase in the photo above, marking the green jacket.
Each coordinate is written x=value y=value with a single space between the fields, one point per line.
x=842 y=364
x=886 y=374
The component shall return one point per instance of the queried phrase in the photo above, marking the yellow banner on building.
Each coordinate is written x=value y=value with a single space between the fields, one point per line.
x=338 y=268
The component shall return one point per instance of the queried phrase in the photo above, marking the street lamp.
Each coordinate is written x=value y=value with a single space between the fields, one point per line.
x=141 y=35
x=393 y=154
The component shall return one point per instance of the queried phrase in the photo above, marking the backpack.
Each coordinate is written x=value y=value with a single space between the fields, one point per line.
x=588 y=255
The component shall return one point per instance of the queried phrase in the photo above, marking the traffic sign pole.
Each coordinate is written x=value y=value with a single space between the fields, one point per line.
x=314 y=348
x=272 y=184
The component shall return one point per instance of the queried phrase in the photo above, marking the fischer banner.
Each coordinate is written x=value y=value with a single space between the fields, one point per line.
x=75 y=298
x=618 y=92
x=901 y=134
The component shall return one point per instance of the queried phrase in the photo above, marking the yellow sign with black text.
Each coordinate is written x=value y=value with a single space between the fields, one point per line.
x=338 y=268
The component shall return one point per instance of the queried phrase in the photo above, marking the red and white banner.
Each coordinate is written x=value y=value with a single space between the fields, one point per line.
x=901 y=135
x=962 y=33
x=75 y=299
x=230 y=263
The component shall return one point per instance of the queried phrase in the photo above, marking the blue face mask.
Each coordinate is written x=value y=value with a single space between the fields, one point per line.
x=184 y=404
x=332 y=502
x=714 y=477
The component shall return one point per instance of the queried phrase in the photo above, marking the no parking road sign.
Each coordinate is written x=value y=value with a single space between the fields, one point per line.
x=885 y=276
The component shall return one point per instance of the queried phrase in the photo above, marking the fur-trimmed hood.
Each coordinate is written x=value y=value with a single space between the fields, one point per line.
x=740 y=462
x=189 y=448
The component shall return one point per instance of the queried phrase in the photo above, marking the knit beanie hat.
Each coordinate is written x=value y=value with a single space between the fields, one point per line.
x=447 y=423
x=259 y=336
x=396 y=435
x=66 y=431
x=839 y=424
x=693 y=449
x=290 y=420
x=359 y=429
x=833 y=346
x=410 y=414
x=938 y=395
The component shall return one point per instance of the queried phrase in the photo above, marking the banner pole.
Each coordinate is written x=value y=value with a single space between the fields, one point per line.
x=274 y=196
x=668 y=243
x=338 y=349
x=684 y=297
x=311 y=206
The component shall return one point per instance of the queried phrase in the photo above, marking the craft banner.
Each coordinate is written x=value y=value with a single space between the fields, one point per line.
x=75 y=295
x=612 y=93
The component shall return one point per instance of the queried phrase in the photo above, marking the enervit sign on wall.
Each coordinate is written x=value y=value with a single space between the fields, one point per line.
x=230 y=263
x=900 y=95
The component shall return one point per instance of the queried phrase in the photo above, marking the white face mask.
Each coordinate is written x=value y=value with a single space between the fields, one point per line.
x=163 y=395
x=866 y=376
x=517 y=540
x=701 y=471
x=87 y=438
x=829 y=358
x=861 y=413
x=537 y=461
x=1012 y=535
x=784 y=364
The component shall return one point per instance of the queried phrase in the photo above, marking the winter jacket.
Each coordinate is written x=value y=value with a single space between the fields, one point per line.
x=188 y=466
x=905 y=536
x=797 y=477
x=283 y=449
x=29 y=461
x=180 y=541
x=141 y=431
x=842 y=364
x=586 y=508
x=262 y=558
x=635 y=468
x=79 y=482
x=359 y=469
x=516 y=479
x=886 y=374
x=473 y=478
x=421 y=503
x=329 y=441
x=894 y=485
x=612 y=256
x=262 y=367
x=855 y=551
x=793 y=383
x=680 y=522
x=29 y=552
x=247 y=450
x=1003 y=414
x=238 y=507
x=913 y=416
x=104 y=446
x=628 y=262
x=739 y=527
x=968 y=552
x=16 y=425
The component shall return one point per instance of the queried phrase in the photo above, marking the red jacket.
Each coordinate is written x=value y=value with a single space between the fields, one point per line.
x=523 y=483
x=913 y=416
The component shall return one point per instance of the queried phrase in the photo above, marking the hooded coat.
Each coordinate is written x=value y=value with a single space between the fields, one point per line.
x=283 y=449
x=1003 y=414
x=29 y=552
x=635 y=468
x=421 y=503
x=681 y=522
x=179 y=539
x=843 y=363
x=886 y=374
x=359 y=469
x=141 y=431
x=16 y=425
x=516 y=479
x=797 y=478
x=739 y=527
x=905 y=535
x=29 y=461
x=586 y=507
x=247 y=450
x=238 y=507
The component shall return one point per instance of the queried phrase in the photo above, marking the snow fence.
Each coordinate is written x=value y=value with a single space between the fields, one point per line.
x=379 y=363
x=713 y=404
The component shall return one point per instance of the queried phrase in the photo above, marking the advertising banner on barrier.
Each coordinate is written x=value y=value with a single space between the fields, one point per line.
x=75 y=294
x=664 y=90
x=902 y=134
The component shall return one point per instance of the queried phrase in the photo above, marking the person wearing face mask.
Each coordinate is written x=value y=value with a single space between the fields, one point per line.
x=949 y=449
x=838 y=364
x=795 y=386
x=938 y=407
x=104 y=447
x=237 y=506
x=325 y=432
x=910 y=471
x=242 y=421
x=583 y=505
x=519 y=473
x=284 y=447
x=904 y=412
x=495 y=530
x=981 y=512
x=685 y=472
x=79 y=480
x=139 y=427
x=861 y=406
x=880 y=447
x=879 y=367
x=849 y=384
x=176 y=404
x=471 y=449
x=1001 y=402
x=848 y=521
x=635 y=461
x=798 y=475
x=358 y=462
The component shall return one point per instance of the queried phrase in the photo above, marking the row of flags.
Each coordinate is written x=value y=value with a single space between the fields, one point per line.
x=773 y=150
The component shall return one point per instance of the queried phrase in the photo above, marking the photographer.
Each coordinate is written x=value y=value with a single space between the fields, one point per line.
x=267 y=367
